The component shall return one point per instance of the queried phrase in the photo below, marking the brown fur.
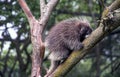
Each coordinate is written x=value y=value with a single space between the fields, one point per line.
x=66 y=37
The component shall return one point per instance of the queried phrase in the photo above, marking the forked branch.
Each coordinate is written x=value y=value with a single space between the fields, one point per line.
x=36 y=29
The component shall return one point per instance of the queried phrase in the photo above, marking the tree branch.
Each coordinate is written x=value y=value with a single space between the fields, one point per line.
x=47 y=12
x=115 y=5
x=42 y=6
x=91 y=41
x=26 y=9
x=37 y=27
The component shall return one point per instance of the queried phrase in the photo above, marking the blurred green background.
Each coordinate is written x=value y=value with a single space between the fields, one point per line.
x=16 y=48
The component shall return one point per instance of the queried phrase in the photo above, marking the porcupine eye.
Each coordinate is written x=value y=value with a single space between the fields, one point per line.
x=84 y=33
x=88 y=33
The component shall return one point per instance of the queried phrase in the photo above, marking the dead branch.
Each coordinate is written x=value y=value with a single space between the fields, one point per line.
x=46 y=11
x=42 y=7
x=36 y=29
x=26 y=9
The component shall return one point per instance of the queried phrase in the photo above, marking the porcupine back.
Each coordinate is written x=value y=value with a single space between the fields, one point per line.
x=66 y=36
